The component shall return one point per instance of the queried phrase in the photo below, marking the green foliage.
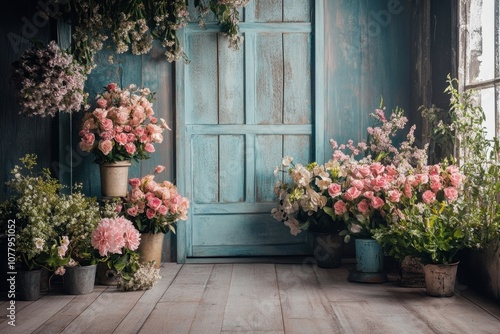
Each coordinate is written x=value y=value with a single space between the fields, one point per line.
x=477 y=156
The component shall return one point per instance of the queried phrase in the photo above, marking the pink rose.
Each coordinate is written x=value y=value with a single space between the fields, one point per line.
x=107 y=135
x=122 y=117
x=131 y=137
x=334 y=190
x=88 y=139
x=394 y=196
x=421 y=179
x=364 y=171
x=135 y=182
x=391 y=170
x=100 y=113
x=105 y=146
x=106 y=124
x=139 y=131
x=352 y=193
x=452 y=169
x=368 y=194
x=377 y=202
x=159 y=169
x=130 y=148
x=451 y=193
x=456 y=179
x=150 y=213
x=434 y=170
x=121 y=138
x=162 y=210
x=377 y=168
x=435 y=183
x=358 y=184
x=153 y=120
x=340 y=207
x=154 y=203
x=149 y=148
x=363 y=207
x=102 y=103
x=428 y=197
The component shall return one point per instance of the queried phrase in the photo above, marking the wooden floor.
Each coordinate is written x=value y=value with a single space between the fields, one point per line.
x=256 y=298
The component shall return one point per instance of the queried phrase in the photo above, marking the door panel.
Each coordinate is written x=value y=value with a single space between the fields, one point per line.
x=236 y=120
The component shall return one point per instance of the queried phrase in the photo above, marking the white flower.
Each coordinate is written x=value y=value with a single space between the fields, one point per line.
x=39 y=243
x=286 y=161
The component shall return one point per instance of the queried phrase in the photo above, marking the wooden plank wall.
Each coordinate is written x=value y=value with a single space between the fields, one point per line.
x=366 y=57
x=21 y=134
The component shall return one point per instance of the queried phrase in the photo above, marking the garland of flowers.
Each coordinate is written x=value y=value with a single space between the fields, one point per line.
x=134 y=25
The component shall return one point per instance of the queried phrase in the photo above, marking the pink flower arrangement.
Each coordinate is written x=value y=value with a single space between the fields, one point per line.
x=154 y=206
x=112 y=235
x=122 y=126
x=367 y=192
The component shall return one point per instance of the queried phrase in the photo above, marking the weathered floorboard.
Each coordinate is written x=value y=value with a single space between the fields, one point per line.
x=258 y=298
x=139 y=313
x=253 y=303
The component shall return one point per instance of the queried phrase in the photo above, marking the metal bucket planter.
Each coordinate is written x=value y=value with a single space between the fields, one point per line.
x=79 y=280
x=28 y=284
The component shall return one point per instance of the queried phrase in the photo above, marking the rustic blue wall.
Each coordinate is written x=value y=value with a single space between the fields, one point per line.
x=367 y=57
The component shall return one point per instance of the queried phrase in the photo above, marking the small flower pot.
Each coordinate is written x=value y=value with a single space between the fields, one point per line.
x=114 y=178
x=28 y=284
x=151 y=247
x=440 y=279
x=369 y=256
x=79 y=280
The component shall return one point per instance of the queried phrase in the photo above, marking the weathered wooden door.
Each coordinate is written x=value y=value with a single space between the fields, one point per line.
x=238 y=113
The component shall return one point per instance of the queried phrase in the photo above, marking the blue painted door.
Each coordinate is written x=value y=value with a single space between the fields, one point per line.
x=238 y=113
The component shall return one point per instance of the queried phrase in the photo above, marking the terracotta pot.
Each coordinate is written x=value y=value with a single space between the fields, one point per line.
x=440 y=279
x=114 y=178
x=151 y=247
x=327 y=250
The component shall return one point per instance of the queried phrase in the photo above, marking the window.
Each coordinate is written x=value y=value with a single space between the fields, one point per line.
x=479 y=56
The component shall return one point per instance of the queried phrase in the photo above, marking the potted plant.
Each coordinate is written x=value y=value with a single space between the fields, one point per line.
x=154 y=207
x=426 y=223
x=476 y=153
x=52 y=228
x=120 y=129
x=305 y=205
x=356 y=186
x=117 y=240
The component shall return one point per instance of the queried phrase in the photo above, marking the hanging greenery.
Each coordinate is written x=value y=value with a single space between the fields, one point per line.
x=133 y=25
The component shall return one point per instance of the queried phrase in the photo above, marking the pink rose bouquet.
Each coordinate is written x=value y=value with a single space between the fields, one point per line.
x=426 y=222
x=154 y=206
x=122 y=126
x=356 y=186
